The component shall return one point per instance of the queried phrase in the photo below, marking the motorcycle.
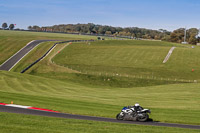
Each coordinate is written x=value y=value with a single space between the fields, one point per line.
x=130 y=114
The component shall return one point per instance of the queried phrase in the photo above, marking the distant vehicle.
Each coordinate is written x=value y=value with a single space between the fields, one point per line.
x=184 y=42
x=134 y=113
x=100 y=38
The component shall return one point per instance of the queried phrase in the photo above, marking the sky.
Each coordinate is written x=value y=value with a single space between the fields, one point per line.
x=150 y=14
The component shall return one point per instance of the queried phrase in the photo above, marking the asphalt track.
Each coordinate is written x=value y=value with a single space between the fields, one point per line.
x=10 y=63
x=9 y=109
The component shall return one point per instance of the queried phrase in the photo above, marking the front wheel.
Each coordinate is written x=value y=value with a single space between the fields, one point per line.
x=119 y=117
x=143 y=118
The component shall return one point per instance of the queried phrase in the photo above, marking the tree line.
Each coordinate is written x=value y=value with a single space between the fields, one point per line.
x=6 y=27
x=91 y=28
x=131 y=32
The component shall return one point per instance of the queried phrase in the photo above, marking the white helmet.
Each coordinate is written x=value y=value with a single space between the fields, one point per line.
x=137 y=104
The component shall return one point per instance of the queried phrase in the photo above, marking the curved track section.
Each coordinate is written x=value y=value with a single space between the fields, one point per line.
x=50 y=51
x=81 y=117
x=12 y=61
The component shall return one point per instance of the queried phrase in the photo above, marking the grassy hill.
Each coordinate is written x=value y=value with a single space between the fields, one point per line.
x=13 y=41
x=132 y=58
x=99 y=78
x=119 y=64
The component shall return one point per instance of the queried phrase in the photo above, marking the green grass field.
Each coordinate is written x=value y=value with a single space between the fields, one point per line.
x=48 y=69
x=99 y=78
x=132 y=58
x=122 y=63
x=13 y=41
x=17 y=123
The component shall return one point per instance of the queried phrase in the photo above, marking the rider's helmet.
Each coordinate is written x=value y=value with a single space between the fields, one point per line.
x=137 y=104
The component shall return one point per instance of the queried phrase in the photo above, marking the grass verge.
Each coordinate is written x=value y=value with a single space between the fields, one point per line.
x=18 y=123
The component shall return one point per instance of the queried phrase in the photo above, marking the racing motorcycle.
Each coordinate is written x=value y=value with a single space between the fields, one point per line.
x=129 y=113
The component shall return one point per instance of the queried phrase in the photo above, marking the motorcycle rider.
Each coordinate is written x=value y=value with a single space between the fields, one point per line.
x=135 y=113
x=137 y=107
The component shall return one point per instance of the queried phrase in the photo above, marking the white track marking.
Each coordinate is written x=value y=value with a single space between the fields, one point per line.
x=169 y=54
x=24 y=55
x=49 y=51
x=17 y=52
x=56 y=53
x=27 y=107
x=30 y=42
x=18 y=106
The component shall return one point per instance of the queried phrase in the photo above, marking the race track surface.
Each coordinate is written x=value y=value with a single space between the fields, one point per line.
x=81 y=117
x=7 y=65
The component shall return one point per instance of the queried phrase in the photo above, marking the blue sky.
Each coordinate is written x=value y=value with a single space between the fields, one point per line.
x=151 y=14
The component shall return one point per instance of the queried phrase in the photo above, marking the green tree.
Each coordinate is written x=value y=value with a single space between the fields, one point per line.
x=91 y=26
x=102 y=30
x=193 y=35
x=4 y=26
x=12 y=26
x=192 y=40
x=96 y=29
x=35 y=27
x=78 y=28
x=29 y=27
x=177 y=35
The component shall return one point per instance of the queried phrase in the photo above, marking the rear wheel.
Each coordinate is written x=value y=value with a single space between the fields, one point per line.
x=118 y=117
x=143 y=118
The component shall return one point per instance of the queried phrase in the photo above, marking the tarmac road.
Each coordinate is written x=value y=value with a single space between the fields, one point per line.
x=12 y=61
x=81 y=117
